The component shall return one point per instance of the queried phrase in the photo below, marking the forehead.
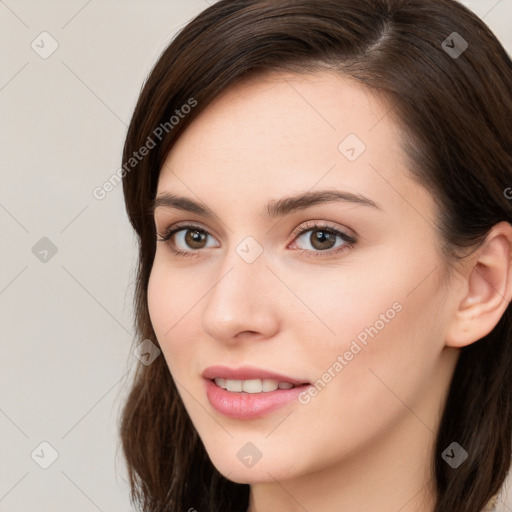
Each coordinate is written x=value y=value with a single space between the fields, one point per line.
x=286 y=110
x=285 y=132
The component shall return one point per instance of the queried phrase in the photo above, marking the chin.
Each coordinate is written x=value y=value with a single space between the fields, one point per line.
x=261 y=471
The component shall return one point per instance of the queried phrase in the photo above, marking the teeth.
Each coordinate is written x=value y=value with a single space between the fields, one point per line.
x=252 y=385
x=269 y=385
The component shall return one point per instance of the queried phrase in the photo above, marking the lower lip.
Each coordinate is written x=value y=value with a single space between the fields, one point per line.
x=249 y=405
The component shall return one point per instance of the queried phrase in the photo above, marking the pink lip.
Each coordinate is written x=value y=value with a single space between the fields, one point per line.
x=248 y=405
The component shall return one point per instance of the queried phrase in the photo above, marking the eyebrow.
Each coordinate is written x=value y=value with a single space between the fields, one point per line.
x=275 y=208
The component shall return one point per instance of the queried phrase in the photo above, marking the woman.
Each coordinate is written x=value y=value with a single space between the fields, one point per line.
x=319 y=190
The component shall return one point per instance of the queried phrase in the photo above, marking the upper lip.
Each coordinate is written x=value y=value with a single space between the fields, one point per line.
x=248 y=372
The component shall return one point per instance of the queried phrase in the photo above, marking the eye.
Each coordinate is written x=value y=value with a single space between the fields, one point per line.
x=185 y=237
x=318 y=239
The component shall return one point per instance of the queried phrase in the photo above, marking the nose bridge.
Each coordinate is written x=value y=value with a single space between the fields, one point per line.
x=239 y=300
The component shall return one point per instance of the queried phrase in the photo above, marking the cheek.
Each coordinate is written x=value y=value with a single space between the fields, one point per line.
x=369 y=293
x=157 y=299
x=170 y=305
x=384 y=317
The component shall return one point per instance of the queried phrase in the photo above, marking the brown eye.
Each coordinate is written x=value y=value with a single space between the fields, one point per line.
x=195 y=239
x=322 y=239
x=188 y=239
x=318 y=239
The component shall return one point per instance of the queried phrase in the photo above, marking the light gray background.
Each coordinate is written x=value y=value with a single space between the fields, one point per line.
x=67 y=322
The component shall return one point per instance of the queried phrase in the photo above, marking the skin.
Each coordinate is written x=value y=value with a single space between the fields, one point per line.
x=365 y=440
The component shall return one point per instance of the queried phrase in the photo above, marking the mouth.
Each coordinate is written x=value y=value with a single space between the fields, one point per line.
x=250 y=379
x=248 y=393
x=253 y=386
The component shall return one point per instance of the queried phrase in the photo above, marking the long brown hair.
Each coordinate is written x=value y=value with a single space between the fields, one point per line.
x=455 y=105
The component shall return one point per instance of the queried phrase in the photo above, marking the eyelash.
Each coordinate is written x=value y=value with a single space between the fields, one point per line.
x=313 y=226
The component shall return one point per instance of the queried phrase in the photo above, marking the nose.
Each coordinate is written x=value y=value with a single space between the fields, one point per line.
x=242 y=302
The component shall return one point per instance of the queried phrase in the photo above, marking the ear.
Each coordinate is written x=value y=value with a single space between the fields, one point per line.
x=487 y=289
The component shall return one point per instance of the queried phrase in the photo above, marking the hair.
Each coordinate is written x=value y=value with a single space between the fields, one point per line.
x=456 y=113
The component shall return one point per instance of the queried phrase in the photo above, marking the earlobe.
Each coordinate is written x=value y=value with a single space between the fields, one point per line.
x=488 y=289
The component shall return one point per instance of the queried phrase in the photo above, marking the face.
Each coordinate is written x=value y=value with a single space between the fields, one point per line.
x=337 y=291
